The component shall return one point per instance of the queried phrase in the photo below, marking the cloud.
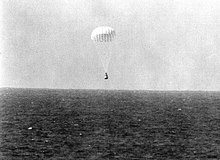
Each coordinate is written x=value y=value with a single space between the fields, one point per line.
x=158 y=43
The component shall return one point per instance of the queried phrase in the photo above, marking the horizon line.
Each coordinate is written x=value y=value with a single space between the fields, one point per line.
x=103 y=89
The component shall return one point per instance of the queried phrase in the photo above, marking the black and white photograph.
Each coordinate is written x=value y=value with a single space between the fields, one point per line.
x=109 y=80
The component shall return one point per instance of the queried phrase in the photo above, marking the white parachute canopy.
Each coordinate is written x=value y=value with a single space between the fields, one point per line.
x=103 y=38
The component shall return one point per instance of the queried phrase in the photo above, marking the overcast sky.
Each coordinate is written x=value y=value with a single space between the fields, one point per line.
x=159 y=45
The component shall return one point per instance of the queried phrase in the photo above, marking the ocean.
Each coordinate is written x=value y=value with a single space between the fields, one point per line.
x=61 y=124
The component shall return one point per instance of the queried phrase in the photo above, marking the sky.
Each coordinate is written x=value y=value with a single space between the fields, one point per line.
x=159 y=45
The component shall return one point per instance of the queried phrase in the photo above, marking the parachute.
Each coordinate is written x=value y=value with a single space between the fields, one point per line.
x=103 y=38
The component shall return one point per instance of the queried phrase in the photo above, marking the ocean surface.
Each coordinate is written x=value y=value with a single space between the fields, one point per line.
x=109 y=125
